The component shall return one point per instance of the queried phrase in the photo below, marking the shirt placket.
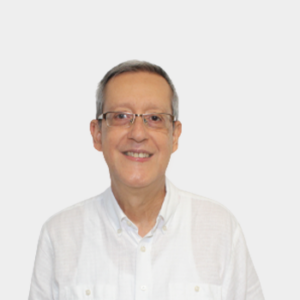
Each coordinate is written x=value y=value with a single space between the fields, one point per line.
x=143 y=284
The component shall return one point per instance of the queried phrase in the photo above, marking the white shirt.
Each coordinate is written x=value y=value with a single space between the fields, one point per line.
x=92 y=251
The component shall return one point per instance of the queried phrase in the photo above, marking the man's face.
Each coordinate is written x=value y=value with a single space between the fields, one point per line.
x=138 y=93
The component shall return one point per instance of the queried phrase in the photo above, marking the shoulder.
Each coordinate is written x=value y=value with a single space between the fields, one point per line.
x=203 y=202
x=74 y=218
x=207 y=212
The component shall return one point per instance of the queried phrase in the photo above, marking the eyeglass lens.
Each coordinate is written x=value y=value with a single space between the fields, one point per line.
x=154 y=120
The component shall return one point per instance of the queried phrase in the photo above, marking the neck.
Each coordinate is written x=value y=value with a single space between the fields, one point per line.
x=140 y=205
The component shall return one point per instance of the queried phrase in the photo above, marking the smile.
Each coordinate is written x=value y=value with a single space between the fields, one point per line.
x=135 y=154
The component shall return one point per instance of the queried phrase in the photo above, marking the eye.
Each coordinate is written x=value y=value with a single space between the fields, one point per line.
x=121 y=116
x=155 y=118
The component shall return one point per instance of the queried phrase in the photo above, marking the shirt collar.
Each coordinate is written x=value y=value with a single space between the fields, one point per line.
x=116 y=215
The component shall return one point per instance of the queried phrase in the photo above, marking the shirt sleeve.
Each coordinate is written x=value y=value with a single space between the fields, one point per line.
x=241 y=281
x=42 y=282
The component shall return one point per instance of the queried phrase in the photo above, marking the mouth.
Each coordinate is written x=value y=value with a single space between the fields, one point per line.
x=137 y=154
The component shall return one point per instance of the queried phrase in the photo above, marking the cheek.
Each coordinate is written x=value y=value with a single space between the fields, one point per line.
x=111 y=139
x=108 y=143
x=164 y=143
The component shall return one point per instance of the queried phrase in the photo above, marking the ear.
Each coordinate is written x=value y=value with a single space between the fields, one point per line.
x=96 y=134
x=176 y=134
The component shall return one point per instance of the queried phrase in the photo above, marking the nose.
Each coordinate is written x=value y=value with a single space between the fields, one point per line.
x=137 y=130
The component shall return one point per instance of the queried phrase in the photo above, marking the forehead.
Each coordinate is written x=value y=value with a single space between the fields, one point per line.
x=138 y=91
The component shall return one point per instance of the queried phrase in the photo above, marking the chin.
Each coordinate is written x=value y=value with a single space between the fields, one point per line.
x=137 y=180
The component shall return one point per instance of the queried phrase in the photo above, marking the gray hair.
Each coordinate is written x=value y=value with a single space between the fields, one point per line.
x=134 y=66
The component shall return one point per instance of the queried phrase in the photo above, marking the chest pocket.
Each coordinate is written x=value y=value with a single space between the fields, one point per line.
x=91 y=292
x=194 y=291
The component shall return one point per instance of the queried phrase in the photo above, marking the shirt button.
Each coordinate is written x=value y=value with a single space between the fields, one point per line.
x=164 y=228
x=197 y=288
x=119 y=230
x=128 y=223
x=143 y=248
x=87 y=292
x=143 y=288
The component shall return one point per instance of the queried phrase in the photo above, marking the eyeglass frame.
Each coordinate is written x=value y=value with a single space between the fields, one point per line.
x=103 y=117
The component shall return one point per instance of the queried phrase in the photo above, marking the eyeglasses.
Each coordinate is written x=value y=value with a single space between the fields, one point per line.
x=153 y=120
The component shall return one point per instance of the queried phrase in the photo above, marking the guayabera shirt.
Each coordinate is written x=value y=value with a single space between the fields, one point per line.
x=92 y=251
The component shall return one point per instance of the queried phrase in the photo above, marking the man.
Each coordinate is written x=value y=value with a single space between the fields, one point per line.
x=142 y=238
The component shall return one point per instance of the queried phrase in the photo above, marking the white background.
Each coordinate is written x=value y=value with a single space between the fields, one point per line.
x=236 y=68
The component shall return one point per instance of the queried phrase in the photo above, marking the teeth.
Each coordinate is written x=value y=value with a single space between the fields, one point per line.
x=134 y=154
